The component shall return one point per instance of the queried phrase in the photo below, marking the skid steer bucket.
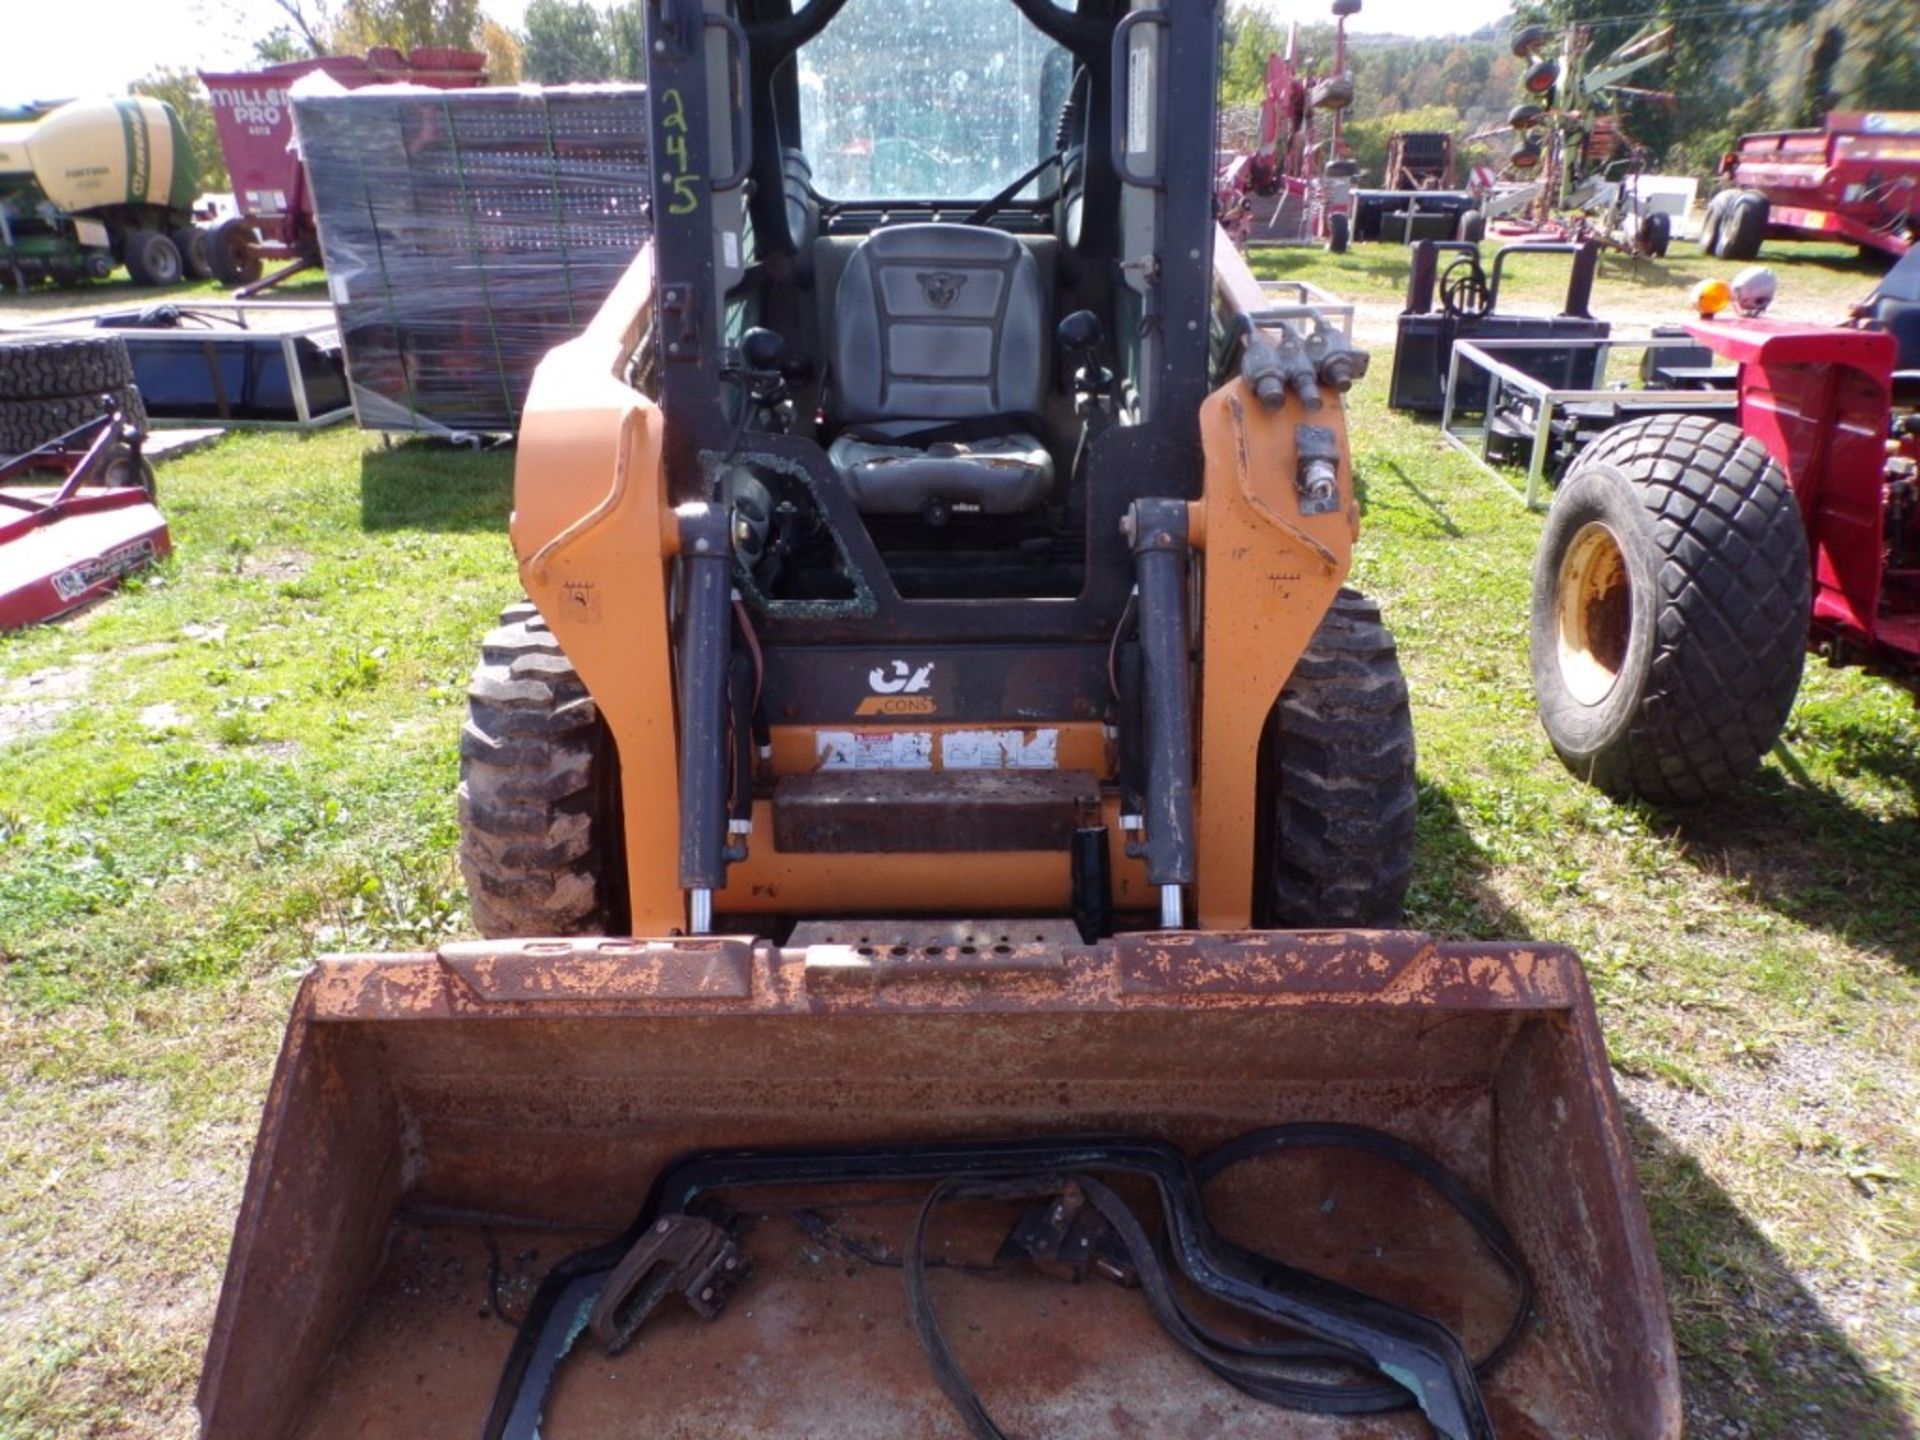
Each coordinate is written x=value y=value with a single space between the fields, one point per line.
x=441 y=1129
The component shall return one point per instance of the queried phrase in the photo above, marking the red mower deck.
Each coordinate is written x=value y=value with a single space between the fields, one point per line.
x=65 y=545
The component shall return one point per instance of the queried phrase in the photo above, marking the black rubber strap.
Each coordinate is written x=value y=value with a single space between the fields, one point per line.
x=1258 y=1369
x=1024 y=1167
x=1481 y=1218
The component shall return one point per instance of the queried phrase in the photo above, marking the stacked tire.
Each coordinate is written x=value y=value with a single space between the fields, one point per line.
x=53 y=385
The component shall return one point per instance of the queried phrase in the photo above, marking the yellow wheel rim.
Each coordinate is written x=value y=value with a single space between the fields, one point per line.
x=1593 y=613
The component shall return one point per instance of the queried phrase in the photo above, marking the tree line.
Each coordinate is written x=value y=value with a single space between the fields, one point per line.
x=1737 y=66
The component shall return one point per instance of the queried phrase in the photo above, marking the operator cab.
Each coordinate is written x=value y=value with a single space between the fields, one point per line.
x=935 y=290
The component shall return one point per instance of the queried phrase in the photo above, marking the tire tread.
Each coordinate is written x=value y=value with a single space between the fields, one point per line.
x=534 y=846
x=1339 y=788
x=1730 y=641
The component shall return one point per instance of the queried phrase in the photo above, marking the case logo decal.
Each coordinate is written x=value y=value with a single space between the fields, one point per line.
x=941 y=287
x=900 y=679
x=899 y=689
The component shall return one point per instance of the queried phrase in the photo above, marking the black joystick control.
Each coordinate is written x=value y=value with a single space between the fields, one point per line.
x=764 y=350
x=1081 y=335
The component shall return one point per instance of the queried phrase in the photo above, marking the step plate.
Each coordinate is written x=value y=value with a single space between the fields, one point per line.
x=893 y=812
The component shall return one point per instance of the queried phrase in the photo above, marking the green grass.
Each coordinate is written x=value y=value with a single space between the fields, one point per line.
x=119 y=289
x=249 y=759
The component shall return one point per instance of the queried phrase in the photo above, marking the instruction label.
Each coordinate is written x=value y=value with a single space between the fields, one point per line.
x=1000 y=750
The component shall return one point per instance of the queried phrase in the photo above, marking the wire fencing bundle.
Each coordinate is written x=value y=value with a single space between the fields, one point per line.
x=466 y=233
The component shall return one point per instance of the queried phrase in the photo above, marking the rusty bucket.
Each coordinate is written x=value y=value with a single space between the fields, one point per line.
x=442 y=1128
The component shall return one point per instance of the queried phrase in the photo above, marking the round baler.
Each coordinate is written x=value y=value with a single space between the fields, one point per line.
x=91 y=184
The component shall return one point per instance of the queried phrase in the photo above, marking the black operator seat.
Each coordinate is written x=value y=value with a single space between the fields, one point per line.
x=940 y=348
x=1894 y=307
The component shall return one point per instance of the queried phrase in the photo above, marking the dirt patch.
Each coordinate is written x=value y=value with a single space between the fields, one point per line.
x=164 y=716
x=290 y=566
x=34 y=703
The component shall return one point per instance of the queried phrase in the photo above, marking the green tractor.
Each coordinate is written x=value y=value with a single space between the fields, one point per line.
x=93 y=183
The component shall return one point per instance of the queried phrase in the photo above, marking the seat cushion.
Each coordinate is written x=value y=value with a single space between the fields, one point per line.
x=997 y=475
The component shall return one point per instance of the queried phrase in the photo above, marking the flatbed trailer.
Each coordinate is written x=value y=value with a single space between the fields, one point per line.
x=1856 y=179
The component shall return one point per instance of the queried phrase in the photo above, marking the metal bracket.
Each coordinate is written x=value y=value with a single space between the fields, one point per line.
x=679 y=1254
x=680 y=323
x=1065 y=1237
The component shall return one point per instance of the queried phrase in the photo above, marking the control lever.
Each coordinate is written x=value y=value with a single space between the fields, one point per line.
x=769 y=368
x=763 y=350
x=1081 y=334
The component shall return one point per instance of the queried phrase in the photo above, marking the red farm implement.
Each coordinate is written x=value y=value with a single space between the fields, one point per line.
x=255 y=117
x=1843 y=424
x=66 y=543
x=1855 y=179
x=1690 y=561
x=1299 y=162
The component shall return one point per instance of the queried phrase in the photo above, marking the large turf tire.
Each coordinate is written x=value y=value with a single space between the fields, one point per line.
x=540 y=841
x=1744 y=227
x=27 y=424
x=33 y=369
x=1337 y=795
x=1670 y=610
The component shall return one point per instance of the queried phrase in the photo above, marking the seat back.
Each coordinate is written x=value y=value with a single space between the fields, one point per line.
x=1896 y=309
x=1900 y=319
x=939 y=323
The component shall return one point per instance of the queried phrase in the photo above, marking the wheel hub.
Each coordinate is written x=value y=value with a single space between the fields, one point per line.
x=1593 y=614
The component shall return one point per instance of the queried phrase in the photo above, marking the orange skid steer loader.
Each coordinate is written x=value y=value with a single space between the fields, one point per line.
x=930 y=824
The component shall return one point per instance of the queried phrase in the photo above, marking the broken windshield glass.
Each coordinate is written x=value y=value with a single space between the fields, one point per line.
x=938 y=99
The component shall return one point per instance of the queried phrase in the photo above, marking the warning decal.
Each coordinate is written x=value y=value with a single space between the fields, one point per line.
x=874 y=749
x=71 y=584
